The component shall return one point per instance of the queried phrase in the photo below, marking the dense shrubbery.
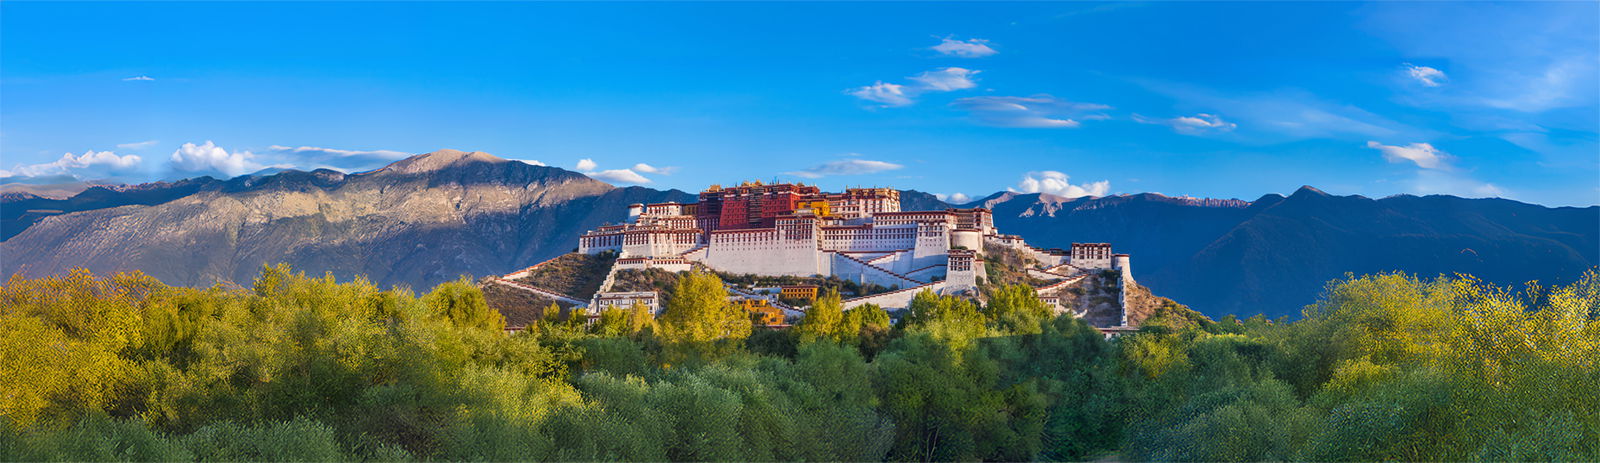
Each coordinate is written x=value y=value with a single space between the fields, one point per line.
x=1385 y=367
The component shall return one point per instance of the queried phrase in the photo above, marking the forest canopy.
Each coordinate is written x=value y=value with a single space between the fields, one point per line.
x=297 y=367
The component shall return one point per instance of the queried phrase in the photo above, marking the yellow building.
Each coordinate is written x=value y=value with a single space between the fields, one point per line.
x=763 y=313
x=818 y=207
x=798 y=291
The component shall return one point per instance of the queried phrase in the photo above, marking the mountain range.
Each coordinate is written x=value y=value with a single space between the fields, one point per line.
x=434 y=217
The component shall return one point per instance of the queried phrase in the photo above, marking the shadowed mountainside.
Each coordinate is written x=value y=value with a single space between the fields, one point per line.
x=419 y=221
x=1274 y=255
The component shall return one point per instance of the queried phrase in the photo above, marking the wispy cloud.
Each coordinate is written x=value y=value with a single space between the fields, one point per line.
x=884 y=93
x=1427 y=76
x=846 y=167
x=1289 y=113
x=319 y=151
x=1454 y=183
x=888 y=94
x=137 y=145
x=138 y=79
x=589 y=167
x=1198 y=124
x=1038 y=111
x=947 y=79
x=1523 y=57
x=970 y=48
x=90 y=164
x=1435 y=173
x=313 y=157
x=1562 y=84
x=953 y=198
x=1057 y=183
x=1424 y=155
x=649 y=169
x=619 y=176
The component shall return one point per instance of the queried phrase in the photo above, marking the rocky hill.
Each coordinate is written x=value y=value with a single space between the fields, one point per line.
x=419 y=221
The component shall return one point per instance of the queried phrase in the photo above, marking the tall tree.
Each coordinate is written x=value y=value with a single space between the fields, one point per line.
x=699 y=312
x=825 y=320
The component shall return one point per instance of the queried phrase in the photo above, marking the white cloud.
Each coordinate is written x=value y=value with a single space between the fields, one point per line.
x=1056 y=183
x=649 y=169
x=1038 y=111
x=1431 y=182
x=1435 y=174
x=530 y=162
x=312 y=150
x=1423 y=154
x=333 y=158
x=1289 y=114
x=1202 y=121
x=939 y=80
x=138 y=78
x=970 y=48
x=90 y=164
x=619 y=176
x=137 y=145
x=210 y=158
x=589 y=167
x=947 y=79
x=953 y=198
x=882 y=92
x=1198 y=124
x=1427 y=76
x=846 y=167
x=1527 y=57
x=1565 y=83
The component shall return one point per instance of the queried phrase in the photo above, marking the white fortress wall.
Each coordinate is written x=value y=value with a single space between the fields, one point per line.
x=898 y=262
x=595 y=242
x=933 y=244
x=1124 y=265
x=849 y=268
x=867 y=238
x=967 y=239
x=670 y=264
x=658 y=242
x=761 y=252
x=894 y=300
x=928 y=273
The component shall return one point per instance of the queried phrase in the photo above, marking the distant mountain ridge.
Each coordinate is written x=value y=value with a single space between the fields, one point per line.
x=1273 y=255
x=420 y=221
x=432 y=217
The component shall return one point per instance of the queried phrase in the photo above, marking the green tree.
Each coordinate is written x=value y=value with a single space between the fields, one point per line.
x=698 y=312
x=613 y=322
x=464 y=305
x=640 y=320
x=1016 y=309
x=825 y=320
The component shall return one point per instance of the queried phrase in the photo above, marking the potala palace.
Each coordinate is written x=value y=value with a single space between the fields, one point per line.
x=862 y=235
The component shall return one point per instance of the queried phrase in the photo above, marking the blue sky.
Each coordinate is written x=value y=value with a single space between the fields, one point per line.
x=1203 y=99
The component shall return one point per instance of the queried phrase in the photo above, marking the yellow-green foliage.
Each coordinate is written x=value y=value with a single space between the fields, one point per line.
x=301 y=368
x=698 y=312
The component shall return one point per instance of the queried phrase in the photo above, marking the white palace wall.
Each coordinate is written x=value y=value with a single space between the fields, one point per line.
x=852 y=269
x=762 y=252
x=932 y=246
